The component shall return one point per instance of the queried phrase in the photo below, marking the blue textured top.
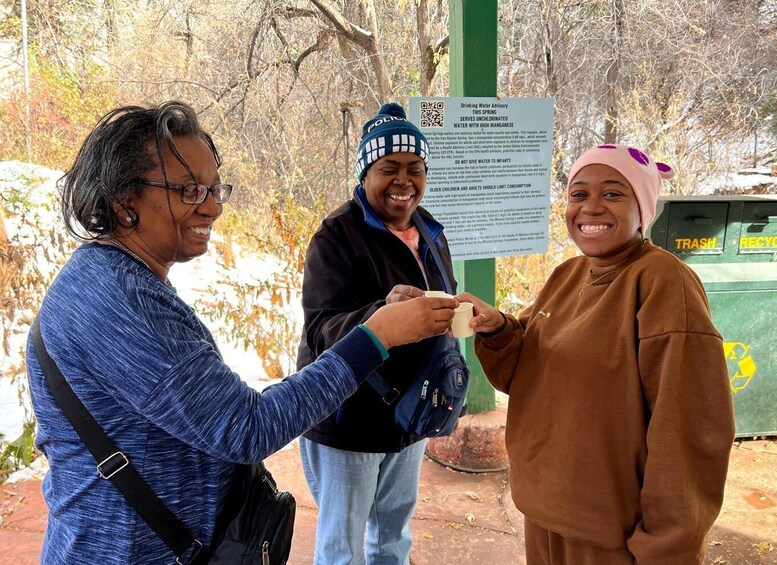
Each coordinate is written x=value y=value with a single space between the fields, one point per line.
x=150 y=373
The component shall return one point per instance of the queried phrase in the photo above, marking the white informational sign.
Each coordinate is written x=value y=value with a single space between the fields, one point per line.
x=489 y=173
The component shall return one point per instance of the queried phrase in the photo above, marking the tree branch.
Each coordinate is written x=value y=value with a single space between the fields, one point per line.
x=430 y=52
x=345 y=28
x=367 y=40
x=319 y=45
x=295 y=12
x=250 y=53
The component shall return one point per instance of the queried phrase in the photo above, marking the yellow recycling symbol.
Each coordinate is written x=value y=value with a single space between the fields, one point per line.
x=742 y=367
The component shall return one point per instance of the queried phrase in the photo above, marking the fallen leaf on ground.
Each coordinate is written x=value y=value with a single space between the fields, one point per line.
x=716 y=542
x=427 y=535
x=763 y=548
x=470 y=517
x=719 y=561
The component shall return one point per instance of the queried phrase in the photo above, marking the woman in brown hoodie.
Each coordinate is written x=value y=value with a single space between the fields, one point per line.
x=620 y=418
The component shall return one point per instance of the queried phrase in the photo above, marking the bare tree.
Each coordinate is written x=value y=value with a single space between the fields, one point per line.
x=283 y=83
x=685 y=79
x=612 y=76
x=365 y=40
x=433 y=42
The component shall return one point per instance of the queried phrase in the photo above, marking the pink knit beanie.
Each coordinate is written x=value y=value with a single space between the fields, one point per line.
x=644 y=174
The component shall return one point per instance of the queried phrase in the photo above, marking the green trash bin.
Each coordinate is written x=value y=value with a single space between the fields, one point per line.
x=731 y=243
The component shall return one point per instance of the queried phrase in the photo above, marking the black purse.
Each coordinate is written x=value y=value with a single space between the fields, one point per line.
x=258 y=522
x=255 y=526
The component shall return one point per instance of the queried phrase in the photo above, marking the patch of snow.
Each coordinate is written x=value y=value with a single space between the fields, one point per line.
x=13 y=411
x=192 y=281
x=741 y=180
x=200 y=278
x=35 y=471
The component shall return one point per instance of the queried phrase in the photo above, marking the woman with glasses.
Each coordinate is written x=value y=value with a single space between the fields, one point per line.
x=144 y=193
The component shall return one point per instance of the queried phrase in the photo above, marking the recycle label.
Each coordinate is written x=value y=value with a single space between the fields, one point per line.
x=741 y=365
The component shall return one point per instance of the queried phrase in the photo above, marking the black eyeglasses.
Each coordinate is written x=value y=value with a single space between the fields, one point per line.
x=195 y=193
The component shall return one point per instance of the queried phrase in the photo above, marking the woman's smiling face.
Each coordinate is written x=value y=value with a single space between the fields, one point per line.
x=394 y=186
x=603 y=214
x=168 y=230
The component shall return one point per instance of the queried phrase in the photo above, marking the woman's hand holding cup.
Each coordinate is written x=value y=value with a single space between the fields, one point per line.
x=402 y=292
x=462 y=315
x=409 y=321
x=486 y=318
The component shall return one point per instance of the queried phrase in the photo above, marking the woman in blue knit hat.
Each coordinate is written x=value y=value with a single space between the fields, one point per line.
x=361 y=467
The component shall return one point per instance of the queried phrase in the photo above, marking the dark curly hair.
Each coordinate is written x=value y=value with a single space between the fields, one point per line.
x=114 y=155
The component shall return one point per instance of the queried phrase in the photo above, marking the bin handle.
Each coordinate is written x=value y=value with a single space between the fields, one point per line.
x=700 y=219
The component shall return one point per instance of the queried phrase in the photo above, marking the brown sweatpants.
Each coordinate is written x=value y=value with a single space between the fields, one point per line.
x=544 y=547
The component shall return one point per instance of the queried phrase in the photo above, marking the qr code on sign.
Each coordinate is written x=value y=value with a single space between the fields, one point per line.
x=433 y=114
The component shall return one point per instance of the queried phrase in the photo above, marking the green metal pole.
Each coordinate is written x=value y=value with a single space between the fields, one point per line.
x=473 y=49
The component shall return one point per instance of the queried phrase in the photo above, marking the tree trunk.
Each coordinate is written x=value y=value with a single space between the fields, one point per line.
x=613 y=75
x=430 y=51
x=355 y=42
x=376 y=59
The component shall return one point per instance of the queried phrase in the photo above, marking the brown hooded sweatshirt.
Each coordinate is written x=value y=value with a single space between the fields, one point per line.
x=620 y=417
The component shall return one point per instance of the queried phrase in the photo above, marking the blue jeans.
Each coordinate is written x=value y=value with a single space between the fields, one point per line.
x=356 y=491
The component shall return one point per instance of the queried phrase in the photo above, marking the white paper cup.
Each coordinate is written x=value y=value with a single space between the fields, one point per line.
x=437 y=294
x=461 y=318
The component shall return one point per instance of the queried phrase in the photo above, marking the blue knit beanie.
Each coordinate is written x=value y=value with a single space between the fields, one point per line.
x=389 y=132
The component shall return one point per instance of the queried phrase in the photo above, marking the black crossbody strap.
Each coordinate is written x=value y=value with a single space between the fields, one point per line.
x=427 y=237
x=112 y=465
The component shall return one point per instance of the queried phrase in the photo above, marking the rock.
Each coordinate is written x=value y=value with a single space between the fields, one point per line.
x=477 y=445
